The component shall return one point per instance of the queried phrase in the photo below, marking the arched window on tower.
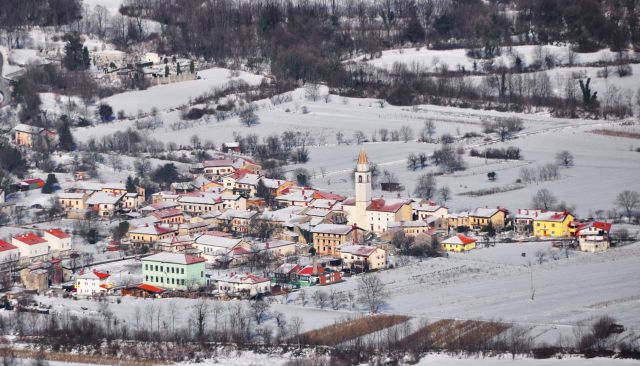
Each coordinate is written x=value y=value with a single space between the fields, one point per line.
x=359 y=179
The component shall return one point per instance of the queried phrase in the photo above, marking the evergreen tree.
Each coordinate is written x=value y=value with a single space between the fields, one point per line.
x=264 y=192
x=131 y=185
x=166 y=70
x=414 y=32
x=86 y=59
x=178 y=72
x=50 y=185
x=73 y=53
x=65 y=138
x=192 y=67
x=166 y=174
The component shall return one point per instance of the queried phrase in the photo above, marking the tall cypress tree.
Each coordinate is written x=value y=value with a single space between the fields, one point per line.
x=65 y=138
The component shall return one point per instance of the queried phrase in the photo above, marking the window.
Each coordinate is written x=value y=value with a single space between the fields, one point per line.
x=359 y=179
x=182 y=272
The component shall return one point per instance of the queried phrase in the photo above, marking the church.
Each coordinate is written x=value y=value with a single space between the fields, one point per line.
x=373 y=214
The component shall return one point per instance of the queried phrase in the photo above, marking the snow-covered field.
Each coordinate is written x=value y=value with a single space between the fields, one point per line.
x=457 y=59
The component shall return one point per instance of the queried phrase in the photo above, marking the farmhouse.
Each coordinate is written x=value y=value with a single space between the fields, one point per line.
x=93 y=283
x=483 y=216
x=362 y=258
x=552 y=224
x=458 y=243
x=594 y=237
x=245 y=285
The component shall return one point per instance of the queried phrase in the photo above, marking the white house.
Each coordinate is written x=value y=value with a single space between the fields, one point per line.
x=105 y=204
x=9 y=254
x=244 y=285
x=92 y=283
x=31 y=246
x=363 y=256
x=594 y=237
x=214 y=247
x=59 y=241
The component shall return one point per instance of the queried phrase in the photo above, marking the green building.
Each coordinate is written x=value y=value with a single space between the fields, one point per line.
x=173 y=271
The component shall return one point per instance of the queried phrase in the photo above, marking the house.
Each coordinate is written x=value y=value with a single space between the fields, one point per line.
x=327 y=237
x=73 y=200
x=381 y=212
x=151 y=233
x=458 y=243
x=414 y=228
x=594 y=237
x=169 y=216
x=458 y=219
x=174 y=271
x=552 y=224
x=9 y=255
x=26 y=135
x=31 y=247
x=483 y=216
x=362 y=258
x=523 y=221
x=424 y=210
x=93 y=283
x=236 y=221
x=315 y=274
x=286 y=273
x=203 y=202
x=244 y=285
x=217 y=248
x=105 y=204
x=192 y=228
x=59 y=241
x=218 y=167
x=177 y=244
x=231 y=147
x=142 y=290
x=291 y=196
x=276 y=248
x=29 y=184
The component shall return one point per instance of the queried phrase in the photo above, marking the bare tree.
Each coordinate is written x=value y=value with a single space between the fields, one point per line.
x=543 y=199
x=371 y=292
x=406 y=133
x=384 y=133
x=312 y=91
x=628 y=200
x=259 y=309
x=564 y=158
x=426 y=186
x=320 y=299
x=444 y=193
x=427 y=132
x=200 y=313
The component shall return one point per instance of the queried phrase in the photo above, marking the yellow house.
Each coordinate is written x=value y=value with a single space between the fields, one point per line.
x=458 y=219
x=327 y=237
x=552 y=224
x=26 y=135
x=459 y=243
x=151 y=233
x=72 y=200
x=483 y=216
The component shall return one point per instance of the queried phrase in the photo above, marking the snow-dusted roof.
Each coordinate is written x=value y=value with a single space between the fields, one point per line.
x=425 y=207
x=332 y=229
x=484 y=212
x=217 y=241
x=459 y=239
x=250 y=179
x=153 y=230
x=176 y=258
x=553 y=216
x=356 y=249
x=401 y=224
x=243 y=278
x=28 y=129
x=237 y=214
x=70 y=195
x=100 y=198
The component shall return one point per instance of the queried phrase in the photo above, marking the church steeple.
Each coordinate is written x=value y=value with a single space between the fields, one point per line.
x=363 y=183
x=363 y=162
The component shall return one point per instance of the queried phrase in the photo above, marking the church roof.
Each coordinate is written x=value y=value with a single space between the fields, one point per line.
x=362 y=158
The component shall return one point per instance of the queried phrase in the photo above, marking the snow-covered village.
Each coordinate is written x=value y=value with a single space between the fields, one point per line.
x=311 y=183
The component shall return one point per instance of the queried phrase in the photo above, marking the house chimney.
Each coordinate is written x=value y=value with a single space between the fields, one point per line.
x=315 y=266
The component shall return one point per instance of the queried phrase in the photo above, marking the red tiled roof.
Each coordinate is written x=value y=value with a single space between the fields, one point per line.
x=30 y=239
x=58 y=233
x=150 y=288
x=380 y=205
x=163 y=230
x=240 y=251
x=101 y=275
x=465 y=239
x=167 y=212
x=31 y=181
x=191 y=259
x=6 y=246
x=328 y=196
x=308 y=270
